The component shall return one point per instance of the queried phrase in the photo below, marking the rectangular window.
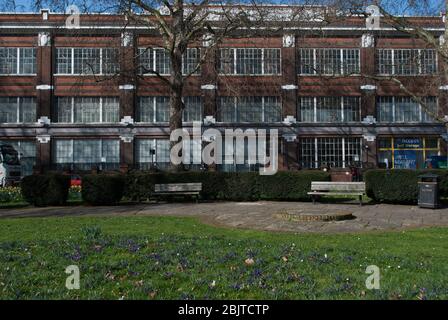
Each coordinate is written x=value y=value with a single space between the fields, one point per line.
x=155 y=61
x=330 y=151
x=249 y=61
x=87 y=109
x=27 y=154
x=87 y=61
x=329 y=109
x=83 y=154
x=17 y=109
x=153 y=109
x=18 y=61
x=406 y=109
x=191 y=61
x=328 y=61
x=153 y=153
x=193 y=109
x=409 y=152
x=406 y=61
x=250 y=109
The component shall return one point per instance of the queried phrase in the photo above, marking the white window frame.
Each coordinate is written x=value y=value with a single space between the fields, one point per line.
x=234 y=50
x=342 y=66
x=343 y=151
x=72 y=111
x=420 y=66
x=394 y=103
x=342 y=109
x=18 y=73
x=263 y=102
x=72 y=63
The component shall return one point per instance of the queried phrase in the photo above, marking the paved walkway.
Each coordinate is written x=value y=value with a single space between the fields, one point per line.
x=262 y=215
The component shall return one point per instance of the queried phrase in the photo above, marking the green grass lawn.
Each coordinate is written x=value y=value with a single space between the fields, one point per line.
x=180 y=258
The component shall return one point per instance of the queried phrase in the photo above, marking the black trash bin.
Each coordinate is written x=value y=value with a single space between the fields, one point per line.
x=428 y=191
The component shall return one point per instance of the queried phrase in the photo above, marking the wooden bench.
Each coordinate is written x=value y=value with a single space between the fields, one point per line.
x=173 y=189
x=337 y=189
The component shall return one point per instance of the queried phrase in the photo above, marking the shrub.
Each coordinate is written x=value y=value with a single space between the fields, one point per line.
x=290 y=186
x=231 y=186
x=102 y=189
x=46 y=190
x=399 y=186
x=10 y=195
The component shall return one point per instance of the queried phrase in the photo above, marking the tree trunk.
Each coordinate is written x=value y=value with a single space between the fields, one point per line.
x=177 y=81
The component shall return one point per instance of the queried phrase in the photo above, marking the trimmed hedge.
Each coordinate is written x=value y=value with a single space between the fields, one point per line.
x=249 y=186
x=46 y=189
x=399 y=186
x=102 y=189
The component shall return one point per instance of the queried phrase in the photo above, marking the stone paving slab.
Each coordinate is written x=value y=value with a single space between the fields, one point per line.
x=261 y=215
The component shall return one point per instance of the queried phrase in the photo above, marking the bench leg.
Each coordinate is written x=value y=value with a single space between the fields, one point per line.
x=360 y=201
x=314 y=199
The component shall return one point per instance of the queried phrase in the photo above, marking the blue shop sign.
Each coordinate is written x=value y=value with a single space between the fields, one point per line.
x=405 y=159
x=408 y=143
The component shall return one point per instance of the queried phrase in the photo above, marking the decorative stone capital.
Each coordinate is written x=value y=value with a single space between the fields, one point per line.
x=369 y=120
x=369 y=137
x=126 y=120
x=443 y=88
x=45 y=138
x=368 y=41
x=127 y=138
x=290 y=87
x=44 y=39
x=126 y=87
x=127 y=39
x=290 y=120
x=209 y=120
x=44 y=87
x=368 y=87
x=290 y=137
x=289 y=41
x=208 y=40
x=209 y=87
x=44 y=121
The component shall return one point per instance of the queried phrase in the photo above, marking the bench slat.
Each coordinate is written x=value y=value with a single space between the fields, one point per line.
x=338 y=186
x=178 y=187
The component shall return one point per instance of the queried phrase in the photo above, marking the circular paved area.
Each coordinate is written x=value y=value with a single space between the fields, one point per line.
x=263 y=215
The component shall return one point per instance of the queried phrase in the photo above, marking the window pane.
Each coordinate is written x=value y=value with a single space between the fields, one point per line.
x=193 y=109
x=27 y=61
x=329 y=109
x=226 y=61
x=406 y=110
x=87 y=61
x=27 y=110
x=227 y=109
x=272 y=109
x=328 y=61
x=145 y=147
x=111 y=109
x=63 y=151
x=384 y=62
x=87 y=151
x=64 y=60
x=64 y=109
x=8 y=110
x=307 y=153
x=272 y=61
x=191 y=60
x=110 y=151
x=146 y=60
x=249 y=109
x=307 y=109
x=385 y=109
x=429 y=109
x=351 y=61
x=87 y=109
x=329 y=152
x=352 y=112
x=110 y=61
x=162 y=109
x=8 y=60
x=249 y=61
x=306 y=61
x=163 y=62
x=146 y=109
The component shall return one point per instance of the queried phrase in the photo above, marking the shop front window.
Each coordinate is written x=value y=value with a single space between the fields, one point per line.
x=407 y=152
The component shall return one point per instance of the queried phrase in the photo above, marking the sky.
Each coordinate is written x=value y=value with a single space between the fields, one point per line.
x=433 y=7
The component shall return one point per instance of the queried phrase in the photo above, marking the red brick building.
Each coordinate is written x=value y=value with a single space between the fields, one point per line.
x=78 y=98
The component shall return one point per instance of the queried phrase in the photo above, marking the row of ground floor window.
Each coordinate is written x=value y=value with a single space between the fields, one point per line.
x=229 y=109
x=312 y=153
